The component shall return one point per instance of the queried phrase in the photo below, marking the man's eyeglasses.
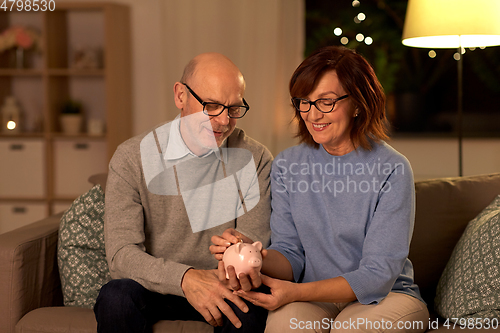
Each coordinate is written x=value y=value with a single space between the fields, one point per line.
x=324 y=105
x=215 y=109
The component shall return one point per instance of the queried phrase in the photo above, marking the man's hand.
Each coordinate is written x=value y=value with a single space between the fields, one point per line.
x=245 y=282
x=206 y=294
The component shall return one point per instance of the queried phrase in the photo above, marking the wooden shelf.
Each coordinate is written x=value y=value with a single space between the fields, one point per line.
x=76 y=72
x=63 y=136
x=20 y=72
x=23 y=199
x=104 y=92
x=63 y=198
x=22 y=135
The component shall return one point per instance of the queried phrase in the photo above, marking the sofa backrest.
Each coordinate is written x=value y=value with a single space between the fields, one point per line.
x=443 y=208
x=28 y=271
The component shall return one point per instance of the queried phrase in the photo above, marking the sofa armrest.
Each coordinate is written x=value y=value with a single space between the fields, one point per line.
x=29 y=277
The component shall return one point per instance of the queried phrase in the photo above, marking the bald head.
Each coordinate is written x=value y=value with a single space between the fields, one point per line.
x=212 y=65
x=208 y=78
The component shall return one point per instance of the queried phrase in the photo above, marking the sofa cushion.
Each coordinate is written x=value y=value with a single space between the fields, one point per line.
x=81 y=256
x=79 y=320
x=470 y=284
x=443 y=209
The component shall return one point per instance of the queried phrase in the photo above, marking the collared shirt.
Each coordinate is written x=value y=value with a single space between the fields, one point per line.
x=177 y=148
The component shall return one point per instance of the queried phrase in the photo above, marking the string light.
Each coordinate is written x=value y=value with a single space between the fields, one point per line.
x=356 y=3
x=368 y=41
x=337 y=31
x=11 y=125
x=360 y=37
x=344 y=40
x=432 y=54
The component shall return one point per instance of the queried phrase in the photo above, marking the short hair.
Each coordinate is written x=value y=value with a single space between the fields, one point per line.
x=358 y=79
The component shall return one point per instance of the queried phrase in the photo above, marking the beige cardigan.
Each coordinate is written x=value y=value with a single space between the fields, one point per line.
x=149 y=237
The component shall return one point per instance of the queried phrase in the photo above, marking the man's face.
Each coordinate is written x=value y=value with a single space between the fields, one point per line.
x=201 y=132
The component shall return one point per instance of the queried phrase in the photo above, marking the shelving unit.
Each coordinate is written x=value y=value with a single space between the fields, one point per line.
x=42 y=169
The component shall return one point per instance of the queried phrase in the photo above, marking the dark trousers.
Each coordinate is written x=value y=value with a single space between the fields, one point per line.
x=126 y=306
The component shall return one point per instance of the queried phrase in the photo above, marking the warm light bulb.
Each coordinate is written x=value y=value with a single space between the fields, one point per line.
x=432 y=54
x=361 y=16
x=360 y=37
x=11 y=125
x=337 y=31
x=368 y=41
x=356 y=3
x=344 y=40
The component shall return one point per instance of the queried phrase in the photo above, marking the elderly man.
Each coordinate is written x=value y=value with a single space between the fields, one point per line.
x=168 y=192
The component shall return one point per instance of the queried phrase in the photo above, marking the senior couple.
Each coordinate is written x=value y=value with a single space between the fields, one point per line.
x=179 y=195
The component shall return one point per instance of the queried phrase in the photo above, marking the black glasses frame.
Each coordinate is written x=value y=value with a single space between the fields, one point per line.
x=246 y=106
x=334 y=101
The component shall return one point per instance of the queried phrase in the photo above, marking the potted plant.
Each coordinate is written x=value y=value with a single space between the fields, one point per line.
x=71 y=117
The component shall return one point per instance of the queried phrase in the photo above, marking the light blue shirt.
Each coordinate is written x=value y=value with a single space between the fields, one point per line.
x=349 y=216
x=214 y=190
x=177 y=148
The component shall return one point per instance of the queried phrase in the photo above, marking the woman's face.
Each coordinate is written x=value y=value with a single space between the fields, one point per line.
x=331 y=129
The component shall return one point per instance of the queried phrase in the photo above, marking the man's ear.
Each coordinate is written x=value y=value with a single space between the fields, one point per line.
x=180 y=96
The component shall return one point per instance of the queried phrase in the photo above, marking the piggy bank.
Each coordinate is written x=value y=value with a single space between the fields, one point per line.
x=243 y=257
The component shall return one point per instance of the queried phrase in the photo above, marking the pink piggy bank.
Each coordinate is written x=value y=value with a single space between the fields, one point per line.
x=243 y=257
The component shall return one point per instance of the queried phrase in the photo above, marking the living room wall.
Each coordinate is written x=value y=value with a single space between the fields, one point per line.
x=263 y=38
x=159 y=55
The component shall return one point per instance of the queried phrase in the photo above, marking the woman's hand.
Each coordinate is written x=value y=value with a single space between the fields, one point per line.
x=282 y=292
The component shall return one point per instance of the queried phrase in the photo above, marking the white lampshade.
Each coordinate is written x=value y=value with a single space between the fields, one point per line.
x=452 y=23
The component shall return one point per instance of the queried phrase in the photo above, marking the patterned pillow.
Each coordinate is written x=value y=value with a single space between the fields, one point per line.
x=470 y=284
x=80 y=252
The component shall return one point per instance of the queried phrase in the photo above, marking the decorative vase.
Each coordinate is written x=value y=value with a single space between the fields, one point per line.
x=20 y=58
x=71 y=123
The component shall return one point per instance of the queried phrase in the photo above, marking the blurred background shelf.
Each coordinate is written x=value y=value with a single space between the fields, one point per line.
x=85 y=57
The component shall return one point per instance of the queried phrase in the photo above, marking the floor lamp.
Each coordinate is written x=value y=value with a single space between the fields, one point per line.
x=453 y=24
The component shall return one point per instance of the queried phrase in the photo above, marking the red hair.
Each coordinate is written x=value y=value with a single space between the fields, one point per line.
x=358 y=79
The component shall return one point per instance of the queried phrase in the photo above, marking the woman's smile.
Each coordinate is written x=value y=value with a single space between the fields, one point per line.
x=320 y=126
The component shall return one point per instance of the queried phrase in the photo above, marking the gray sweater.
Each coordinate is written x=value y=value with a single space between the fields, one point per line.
x=149 y=237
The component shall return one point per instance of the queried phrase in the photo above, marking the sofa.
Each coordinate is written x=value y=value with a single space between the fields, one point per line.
x=30 y=289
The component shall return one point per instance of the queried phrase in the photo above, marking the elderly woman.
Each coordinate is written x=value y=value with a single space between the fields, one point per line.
x=343 y=211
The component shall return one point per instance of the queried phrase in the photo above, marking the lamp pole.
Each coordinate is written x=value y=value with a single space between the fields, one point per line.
x=460 y=68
